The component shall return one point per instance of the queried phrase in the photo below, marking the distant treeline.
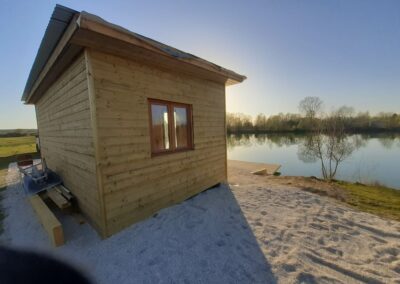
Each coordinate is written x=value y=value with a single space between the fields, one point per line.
x=17 y=132
x=361 y=122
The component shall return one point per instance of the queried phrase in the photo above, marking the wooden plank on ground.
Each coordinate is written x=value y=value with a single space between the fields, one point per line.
x=260 y=172
x=64 y=191
x=58 y=199
x=51 y=224
x=254 y=168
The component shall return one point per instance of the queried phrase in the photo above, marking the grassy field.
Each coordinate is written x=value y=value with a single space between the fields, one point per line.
x=11 y=146
x=17 y=132
x=375 y=199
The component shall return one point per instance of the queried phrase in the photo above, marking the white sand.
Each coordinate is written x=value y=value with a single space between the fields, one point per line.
x=205 y=240
x=313 y=239
x=251 y=233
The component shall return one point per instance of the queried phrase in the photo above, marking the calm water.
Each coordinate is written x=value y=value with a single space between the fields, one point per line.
x=376 y=159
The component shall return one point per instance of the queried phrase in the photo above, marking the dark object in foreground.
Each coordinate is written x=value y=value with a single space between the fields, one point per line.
x=19 y=267
x=36 y=176
x=32 y=187
x=24 y=160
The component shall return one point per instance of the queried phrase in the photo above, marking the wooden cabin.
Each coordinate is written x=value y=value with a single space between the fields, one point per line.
x=130 y=124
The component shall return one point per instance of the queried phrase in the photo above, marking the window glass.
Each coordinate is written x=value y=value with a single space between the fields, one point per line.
x=171 y=127
x=181 y=127
x=160 y=132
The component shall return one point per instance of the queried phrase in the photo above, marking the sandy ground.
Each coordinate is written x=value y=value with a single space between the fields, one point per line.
x=257 y=230
x=313 y=239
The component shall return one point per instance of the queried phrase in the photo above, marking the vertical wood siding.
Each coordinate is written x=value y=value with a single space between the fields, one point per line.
x=135 y=185
x=66 y=137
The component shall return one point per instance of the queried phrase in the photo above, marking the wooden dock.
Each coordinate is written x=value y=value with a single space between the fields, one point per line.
x=254 y=168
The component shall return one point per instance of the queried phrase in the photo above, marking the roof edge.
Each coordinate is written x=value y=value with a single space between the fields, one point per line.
x=97 y=24
x=59 y=21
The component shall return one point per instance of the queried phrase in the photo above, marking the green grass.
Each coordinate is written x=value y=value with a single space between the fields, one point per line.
x=375 y=199
x=10 y=146
x=3 y=175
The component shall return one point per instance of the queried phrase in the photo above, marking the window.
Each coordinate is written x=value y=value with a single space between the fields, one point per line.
x=171 y=127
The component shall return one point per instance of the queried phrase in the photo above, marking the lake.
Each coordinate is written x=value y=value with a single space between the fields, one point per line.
x=376 y=158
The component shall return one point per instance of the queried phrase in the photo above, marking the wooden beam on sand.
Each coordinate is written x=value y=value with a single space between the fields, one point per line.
x=64 y=192
x=255 y=168
x=260 y=172
x=58 y=199
x=51 y=224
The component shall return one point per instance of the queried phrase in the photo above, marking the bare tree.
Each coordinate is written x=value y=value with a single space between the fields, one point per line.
x=330 y=145
x=310 y=107
x=260 y=122
x=346 y=111
x=238 y=122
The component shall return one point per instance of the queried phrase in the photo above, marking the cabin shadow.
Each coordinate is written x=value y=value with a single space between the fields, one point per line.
x=203 y=239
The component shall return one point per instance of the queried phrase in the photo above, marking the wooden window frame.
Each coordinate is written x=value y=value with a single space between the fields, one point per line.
x=171 y=124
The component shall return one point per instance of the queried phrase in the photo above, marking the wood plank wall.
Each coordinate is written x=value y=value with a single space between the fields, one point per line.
x=135 y=185
x=66 y=137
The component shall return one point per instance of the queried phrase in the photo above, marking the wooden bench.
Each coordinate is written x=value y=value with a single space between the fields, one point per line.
x=51 y=224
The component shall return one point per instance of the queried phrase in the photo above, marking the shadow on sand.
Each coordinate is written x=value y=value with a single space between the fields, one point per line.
x=205 y=239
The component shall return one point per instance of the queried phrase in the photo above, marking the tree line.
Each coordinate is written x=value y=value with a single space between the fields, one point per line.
x=309 y=119
x=17 y=132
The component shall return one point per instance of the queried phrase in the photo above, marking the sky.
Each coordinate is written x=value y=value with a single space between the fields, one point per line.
x=347 y=52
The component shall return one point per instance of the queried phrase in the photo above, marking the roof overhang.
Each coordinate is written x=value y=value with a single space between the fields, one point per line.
x=70 y=31
x=59 y=21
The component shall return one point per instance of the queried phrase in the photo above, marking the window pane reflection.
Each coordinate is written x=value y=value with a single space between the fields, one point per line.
x=159 y=117
x=181 y=127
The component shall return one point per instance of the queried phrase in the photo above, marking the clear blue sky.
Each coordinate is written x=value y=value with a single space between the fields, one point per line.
x=345 y=52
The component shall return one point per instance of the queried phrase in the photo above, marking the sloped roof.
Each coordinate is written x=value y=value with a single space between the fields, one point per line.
x=61 y=19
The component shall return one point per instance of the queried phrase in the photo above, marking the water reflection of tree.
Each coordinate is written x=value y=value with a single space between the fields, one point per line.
x=329 y=150
x=275 y=139
x=360 y=141
x=388 y=141
x=330 y=145
x=304 y=150
x=238 y=140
